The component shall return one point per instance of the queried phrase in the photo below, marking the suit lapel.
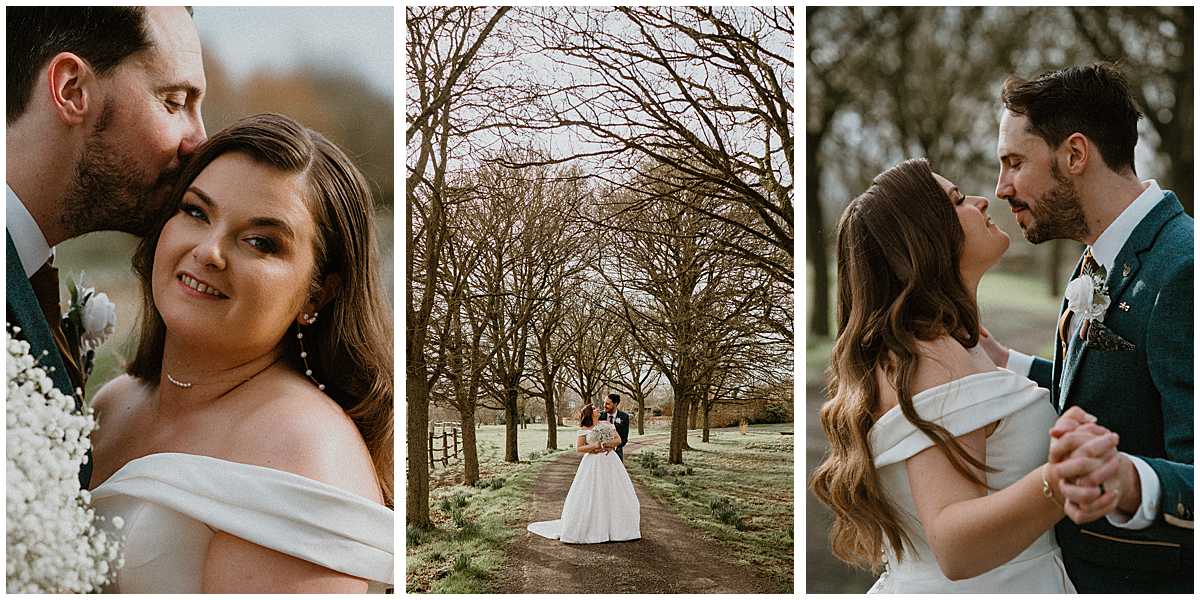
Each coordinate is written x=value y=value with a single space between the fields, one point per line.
x=1124 y=270
x=26 y=313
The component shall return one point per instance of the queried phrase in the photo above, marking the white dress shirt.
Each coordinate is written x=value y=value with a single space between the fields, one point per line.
x=1105 y=251
x=28 y=238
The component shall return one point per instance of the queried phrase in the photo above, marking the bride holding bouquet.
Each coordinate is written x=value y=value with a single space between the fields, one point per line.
x=601 y=505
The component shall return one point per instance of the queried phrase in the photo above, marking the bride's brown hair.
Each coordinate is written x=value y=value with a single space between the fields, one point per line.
x=350 y=347
x=898 y=282
x=585 y=415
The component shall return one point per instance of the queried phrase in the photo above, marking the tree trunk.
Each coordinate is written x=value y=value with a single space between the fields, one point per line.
x=707 y=410
x=470 y=452
x=551 y=420
x=679 y=415
x=818 y=257
x=416 y=494
x=641 y=402
x=510 y=425
x=1053 y=286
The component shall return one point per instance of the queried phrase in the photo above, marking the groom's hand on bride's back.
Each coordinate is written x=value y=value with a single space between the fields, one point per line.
x=995 y=350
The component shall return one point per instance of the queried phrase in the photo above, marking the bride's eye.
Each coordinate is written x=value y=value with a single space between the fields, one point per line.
x=193 y=211
x=263 y=244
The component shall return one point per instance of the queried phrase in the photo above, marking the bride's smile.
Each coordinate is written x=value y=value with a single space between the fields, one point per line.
x=237 y=256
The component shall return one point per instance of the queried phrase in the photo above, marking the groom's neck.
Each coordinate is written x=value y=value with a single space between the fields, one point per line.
x=40 y=170
x=1105 y=196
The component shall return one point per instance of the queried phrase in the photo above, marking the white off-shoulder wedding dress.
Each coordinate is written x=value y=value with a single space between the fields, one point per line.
x=173 y=503
x=601 y=505
x=1017 y=446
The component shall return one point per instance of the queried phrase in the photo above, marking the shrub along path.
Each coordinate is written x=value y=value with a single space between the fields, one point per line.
x=671 y=557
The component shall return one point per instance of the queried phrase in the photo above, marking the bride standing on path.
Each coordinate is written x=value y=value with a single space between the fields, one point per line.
x=601 y=505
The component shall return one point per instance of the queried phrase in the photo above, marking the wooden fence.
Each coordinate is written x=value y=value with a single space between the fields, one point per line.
x=448 y=443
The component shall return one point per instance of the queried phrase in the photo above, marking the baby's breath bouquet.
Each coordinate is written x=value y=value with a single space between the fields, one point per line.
x=605 y=433
x=52 y=540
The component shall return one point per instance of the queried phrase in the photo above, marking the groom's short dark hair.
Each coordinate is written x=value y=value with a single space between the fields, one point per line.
x=1092 y=99
x=102 y=35
x=616 y=398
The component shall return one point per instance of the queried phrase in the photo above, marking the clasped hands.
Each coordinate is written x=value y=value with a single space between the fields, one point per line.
x=601 y=448
x=1085 y=473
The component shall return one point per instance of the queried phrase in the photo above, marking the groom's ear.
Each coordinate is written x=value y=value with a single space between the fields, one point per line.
x=1078 y=153
x=72 y=88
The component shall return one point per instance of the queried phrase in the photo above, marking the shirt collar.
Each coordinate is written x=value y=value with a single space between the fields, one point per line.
x=1112 y=239
x=27 y=237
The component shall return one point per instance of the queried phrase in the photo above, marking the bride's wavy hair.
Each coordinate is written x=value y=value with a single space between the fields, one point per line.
x=898 y=281
x=585 y=415
x=350 y=347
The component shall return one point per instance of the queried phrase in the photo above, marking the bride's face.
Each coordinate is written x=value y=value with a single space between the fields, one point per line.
x=984 y=243
x=233 y=265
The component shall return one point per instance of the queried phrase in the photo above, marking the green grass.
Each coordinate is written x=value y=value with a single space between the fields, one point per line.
x=754 y=471
x=531 y=439
x=451 y=560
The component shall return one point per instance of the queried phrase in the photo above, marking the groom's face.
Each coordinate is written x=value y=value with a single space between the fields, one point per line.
x=149 y=124
x=1044 y=202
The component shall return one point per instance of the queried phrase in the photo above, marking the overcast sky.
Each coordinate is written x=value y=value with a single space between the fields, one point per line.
x=358 y=39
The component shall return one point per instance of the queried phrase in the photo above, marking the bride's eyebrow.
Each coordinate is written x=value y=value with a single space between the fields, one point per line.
x=204 y=197
x=271 y=222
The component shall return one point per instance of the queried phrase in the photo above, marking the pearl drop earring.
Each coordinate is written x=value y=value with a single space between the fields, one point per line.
x=304 y=355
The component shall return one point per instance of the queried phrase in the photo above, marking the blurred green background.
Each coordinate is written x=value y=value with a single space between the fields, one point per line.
x=329 y=68
x=883 y=84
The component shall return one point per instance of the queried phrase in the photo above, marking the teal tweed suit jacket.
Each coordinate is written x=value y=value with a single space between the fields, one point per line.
x=1144 y=394
x=23 y=310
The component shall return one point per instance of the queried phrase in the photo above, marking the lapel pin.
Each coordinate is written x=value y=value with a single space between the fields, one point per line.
x=1123 y=306
x=1126 y=270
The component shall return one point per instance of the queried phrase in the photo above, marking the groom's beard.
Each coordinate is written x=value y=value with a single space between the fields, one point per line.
x=108 y=191
x=1058 y=214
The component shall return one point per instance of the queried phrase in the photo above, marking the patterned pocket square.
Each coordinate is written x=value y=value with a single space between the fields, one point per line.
x=1102 y=338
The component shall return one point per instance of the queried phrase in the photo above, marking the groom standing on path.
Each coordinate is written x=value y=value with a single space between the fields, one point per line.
x=103 y=107
x=1124 y=349
x=619 y=419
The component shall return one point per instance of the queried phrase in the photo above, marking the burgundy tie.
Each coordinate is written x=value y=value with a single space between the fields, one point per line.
x=45 y=287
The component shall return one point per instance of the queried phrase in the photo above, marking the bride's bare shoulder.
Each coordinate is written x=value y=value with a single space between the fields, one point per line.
x=298 y=429
x=943 y=360
x=116 y=400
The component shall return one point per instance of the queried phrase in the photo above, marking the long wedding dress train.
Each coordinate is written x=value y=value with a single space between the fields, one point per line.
x=601 y=505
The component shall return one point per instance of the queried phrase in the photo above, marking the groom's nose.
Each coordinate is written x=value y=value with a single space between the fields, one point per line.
x=193 y=138
x=1004 y=189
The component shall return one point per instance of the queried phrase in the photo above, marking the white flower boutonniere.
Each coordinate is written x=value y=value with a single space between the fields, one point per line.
x=90 y=320
x=1087 y=295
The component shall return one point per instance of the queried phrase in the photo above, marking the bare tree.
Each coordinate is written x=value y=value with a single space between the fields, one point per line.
x=442 y=45
x=592 y=337
x=704 y=90
x=1154 y=46
x=635 y=375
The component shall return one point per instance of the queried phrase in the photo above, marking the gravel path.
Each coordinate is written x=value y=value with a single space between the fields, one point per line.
x=671 y=557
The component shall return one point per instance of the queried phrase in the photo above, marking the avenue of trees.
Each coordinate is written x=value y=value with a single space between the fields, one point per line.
x=598 y=199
